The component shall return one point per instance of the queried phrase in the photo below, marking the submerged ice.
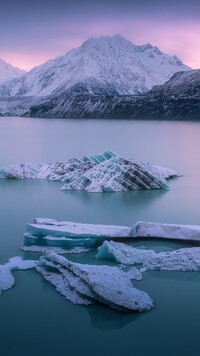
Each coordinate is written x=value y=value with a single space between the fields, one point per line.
x=87 y=284
x=184 y=259
x=106 y=172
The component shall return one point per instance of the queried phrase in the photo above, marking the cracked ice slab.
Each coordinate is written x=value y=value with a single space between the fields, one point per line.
x=88 y=284
x=70 y=235
x=7 y=280
x=106 y=172
x=166 y=231
x=184 y=259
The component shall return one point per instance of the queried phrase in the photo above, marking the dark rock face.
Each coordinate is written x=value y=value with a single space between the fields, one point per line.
x=146 y=107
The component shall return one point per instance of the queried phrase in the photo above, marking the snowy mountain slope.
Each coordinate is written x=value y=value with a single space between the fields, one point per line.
x=8 y=72
x=101 y=66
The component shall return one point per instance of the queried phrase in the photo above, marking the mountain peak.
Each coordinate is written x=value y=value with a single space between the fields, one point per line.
x=105 y=40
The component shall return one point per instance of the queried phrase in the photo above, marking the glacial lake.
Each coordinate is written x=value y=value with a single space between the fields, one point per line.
x=34 y=318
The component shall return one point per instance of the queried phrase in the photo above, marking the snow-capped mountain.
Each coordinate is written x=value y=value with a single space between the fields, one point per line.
x=8 y=72
x=101 y=66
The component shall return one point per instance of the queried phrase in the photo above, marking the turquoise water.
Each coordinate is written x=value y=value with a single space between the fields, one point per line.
x=34 y=319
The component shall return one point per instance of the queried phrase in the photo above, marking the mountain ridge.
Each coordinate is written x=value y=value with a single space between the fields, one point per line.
x=100 y=66
x=177 y=99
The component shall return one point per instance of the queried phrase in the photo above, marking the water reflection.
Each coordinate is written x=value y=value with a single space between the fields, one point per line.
x=104 y=318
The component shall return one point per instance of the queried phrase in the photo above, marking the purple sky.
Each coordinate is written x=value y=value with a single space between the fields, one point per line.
x=33 y=32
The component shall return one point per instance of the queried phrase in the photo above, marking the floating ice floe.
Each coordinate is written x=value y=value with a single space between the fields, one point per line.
x=184 y=259
x=106 y=172
x=6 y=278
x=87 y=284
x=65 y=236
x=69 y=235
x=166 y=231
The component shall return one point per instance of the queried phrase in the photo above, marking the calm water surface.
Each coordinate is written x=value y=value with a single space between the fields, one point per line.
x=34 y=319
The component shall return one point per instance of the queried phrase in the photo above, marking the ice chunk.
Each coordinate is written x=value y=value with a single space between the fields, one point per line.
x=106 y=172
x=6 y=278
x=122 y=253
x=86 y=284
x=166 y=231
x=184 y=259
x=70 y=235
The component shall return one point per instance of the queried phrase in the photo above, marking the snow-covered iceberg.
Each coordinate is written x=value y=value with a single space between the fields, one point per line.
x=6 y=278
x=87 y=284
x=184 y=259
x=106 y=172
x=67 y=235
x=166 y=231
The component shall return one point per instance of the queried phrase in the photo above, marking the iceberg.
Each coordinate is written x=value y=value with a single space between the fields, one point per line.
x=184 y=259
x=7 y=280
x=123 y=253
x=89 y=284
x=166 y=231
x=106 y=172
x=67 y=235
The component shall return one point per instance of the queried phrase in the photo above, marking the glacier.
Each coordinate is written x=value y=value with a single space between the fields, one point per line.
x=184 y=259
x=89 y=284
x=7 y=280
x=106 y=172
